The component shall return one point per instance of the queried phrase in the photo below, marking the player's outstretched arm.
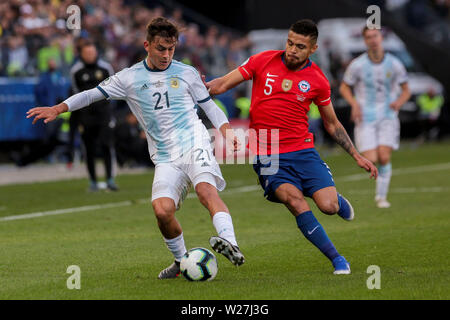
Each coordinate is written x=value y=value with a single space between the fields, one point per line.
x=75 y=102
x=339 y=134
x=47 y=113
x=225 y=83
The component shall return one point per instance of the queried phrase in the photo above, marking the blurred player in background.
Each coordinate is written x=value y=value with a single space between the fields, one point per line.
x=96 y=122
x=284 y=85
x=376 y=77
x=162 y=93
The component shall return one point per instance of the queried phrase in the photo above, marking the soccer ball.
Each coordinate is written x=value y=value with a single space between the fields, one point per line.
x=199 y=264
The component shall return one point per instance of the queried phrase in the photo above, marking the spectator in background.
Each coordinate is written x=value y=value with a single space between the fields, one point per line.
x=237 y=52
x=17 y=56
x=96 y=121
x=214 y=55
x=177 y=17
x=430 y=105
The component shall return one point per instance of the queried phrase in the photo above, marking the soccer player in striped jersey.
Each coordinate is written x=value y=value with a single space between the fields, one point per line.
x=162 y=94
x=380 y=85
x=285 y=83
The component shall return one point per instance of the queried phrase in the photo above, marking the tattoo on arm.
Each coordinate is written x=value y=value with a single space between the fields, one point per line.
x=342 y=138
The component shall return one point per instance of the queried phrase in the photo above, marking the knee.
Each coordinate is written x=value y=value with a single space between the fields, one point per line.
x=329 y=206
x=164 y=210
x=384 y=160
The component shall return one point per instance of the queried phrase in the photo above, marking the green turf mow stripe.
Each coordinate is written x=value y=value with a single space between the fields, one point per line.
x=419 y=169
x=355 y=177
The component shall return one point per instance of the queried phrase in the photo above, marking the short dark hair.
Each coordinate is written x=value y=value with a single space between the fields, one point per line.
x=366 y=28
x=307 y=28
x=81 y=43
x=162 y=27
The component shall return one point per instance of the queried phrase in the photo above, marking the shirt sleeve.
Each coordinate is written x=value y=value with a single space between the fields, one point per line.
x=247 y=69
x=214 y=113
x=351 y=74
x=197 y=88
x=83 y=99
x=323 y=96
x=401 y=75
x=113 y=87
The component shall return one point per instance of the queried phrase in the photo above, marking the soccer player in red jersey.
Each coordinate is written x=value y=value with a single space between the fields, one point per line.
x=285 y=83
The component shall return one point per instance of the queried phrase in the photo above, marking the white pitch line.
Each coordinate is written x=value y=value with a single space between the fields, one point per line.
x=355 y=177
x=68 y=210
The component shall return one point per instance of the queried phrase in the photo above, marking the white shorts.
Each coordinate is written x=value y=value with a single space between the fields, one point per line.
x=174 y=179
x=385 y=132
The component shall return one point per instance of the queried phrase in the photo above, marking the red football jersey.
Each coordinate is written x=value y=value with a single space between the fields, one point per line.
x=281 y=99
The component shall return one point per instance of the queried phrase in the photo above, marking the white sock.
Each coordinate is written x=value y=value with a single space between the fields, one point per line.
x=224 y=226
x=176 y=246
x=383 y=180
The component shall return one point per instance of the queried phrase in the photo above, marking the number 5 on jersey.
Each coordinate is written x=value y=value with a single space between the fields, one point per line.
x=268 y=85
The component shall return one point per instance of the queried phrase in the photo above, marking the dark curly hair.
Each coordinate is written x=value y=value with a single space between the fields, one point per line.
x=162 y=27
x=307 y=28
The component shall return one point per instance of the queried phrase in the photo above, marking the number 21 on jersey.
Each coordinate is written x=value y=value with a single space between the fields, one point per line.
x=158 y=95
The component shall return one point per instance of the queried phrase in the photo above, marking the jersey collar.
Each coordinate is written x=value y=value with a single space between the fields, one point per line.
x=155 y=70
x=308 y=64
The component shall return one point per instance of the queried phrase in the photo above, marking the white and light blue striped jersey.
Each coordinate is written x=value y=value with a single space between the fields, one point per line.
x=376 y=85
x=163 y=102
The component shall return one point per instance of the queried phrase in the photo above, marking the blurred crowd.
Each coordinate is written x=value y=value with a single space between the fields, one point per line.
x=35 y=41
x=34 y=31
x=430 y=17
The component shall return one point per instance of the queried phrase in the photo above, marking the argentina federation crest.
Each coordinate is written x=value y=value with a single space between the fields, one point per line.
x=174 y=83
x=286 y=85
x=304 y=86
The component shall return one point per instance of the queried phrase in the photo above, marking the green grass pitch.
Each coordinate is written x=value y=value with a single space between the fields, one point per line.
x=120 y=251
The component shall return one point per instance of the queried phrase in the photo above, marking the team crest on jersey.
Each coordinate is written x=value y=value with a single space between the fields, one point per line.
x=388 y=74
x=286 y=84
x=174 y=83
x=304 y=86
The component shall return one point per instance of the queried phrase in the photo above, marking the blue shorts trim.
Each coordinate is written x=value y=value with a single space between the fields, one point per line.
x=304 y=169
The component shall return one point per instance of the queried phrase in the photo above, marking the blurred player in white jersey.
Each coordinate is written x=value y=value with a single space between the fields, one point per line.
x=380 y=88
x=162 y=93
